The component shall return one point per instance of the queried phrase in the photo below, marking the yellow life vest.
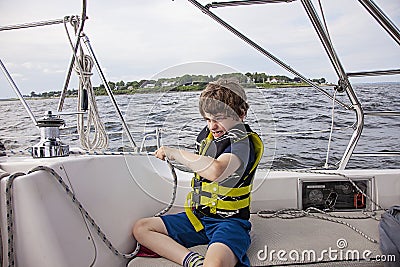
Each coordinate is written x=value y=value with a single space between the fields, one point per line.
x=217 y=198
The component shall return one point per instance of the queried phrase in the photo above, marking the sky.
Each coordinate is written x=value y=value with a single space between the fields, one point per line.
x=142 y=39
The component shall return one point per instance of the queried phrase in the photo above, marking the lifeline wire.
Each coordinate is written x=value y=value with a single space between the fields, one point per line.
x=331 y=131
x=334 y=94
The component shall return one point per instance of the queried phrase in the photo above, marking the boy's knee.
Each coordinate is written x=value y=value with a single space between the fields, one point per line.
x=140 y=226
x=145 y=225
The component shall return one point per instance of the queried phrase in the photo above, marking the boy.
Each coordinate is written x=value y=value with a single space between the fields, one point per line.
x=218 y=208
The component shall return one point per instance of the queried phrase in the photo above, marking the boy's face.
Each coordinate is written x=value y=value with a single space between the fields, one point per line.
x=219 y=124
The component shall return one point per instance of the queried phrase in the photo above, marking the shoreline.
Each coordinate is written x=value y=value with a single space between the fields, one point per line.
x=190 y=88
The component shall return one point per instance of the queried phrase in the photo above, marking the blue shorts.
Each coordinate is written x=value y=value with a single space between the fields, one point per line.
x=233 y=232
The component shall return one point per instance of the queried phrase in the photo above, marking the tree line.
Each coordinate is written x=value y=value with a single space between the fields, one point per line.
x=186 y=82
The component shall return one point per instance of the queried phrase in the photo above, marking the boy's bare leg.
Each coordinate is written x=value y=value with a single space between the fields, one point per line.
x=151 y=233
x=219 y=254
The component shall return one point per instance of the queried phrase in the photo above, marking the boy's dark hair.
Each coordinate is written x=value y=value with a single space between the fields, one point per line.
x=224 y=96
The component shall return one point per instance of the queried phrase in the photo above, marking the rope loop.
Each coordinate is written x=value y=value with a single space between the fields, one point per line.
x=92 y=135
x=317 y=214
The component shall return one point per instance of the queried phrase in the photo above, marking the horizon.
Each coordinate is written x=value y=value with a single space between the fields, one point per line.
x=15 y=98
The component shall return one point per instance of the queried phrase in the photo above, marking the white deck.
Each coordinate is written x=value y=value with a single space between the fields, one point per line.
x=303 y=240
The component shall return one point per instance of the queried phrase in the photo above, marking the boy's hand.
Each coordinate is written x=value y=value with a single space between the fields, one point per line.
x=161 y=153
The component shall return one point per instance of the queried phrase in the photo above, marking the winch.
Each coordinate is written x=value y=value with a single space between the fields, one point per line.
x=50 y=144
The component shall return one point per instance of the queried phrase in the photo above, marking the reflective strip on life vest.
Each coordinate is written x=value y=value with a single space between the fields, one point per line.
x=223 y=204
x=215 y=188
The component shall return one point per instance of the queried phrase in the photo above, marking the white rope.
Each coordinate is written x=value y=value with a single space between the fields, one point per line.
x=331 y=131
x=321 y=215
x=96 y=139
x=83 y=67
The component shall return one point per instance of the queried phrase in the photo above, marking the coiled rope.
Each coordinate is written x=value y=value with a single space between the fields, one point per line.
x=99 y=140
x=92 y=135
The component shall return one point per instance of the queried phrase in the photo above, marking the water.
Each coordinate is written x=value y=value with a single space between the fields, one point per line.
x=294 y=124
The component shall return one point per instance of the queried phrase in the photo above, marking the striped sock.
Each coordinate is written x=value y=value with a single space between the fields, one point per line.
x=193 y=259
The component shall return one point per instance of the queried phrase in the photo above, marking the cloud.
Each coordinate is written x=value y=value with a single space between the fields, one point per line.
x=137 y=39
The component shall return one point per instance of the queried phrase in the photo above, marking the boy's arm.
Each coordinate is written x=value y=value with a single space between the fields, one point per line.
x=207 y=167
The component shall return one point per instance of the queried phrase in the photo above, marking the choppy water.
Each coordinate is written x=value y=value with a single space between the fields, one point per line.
x=294 y=123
